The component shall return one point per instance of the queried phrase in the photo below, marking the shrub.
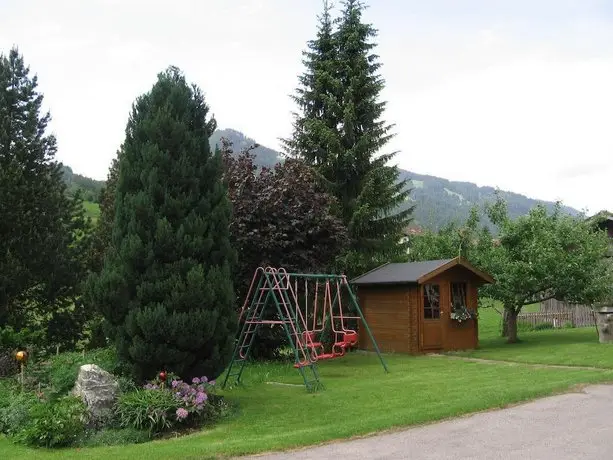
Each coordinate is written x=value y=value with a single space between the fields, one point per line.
x=60 y=372
x=542 y=326
x=54 y=424
x=8 y=363
x=15 y=408
x=523 y=326
x=154 y=411
x=160 y=406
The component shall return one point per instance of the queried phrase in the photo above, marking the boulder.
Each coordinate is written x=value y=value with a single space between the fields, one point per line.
x=98 y=389
x=604 y=323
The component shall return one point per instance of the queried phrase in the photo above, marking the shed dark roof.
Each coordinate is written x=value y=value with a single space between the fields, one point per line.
x=414 y=272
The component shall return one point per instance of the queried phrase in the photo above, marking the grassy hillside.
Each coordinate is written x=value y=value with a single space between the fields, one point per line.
x=90 y=188
x=92 y=210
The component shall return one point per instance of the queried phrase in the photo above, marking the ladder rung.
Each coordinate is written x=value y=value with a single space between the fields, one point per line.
x=260 y=321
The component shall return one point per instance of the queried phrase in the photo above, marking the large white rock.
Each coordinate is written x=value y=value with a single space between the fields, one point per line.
x=98 y=389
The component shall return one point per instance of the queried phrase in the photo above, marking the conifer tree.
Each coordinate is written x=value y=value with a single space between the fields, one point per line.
x=315 y=138
x=340 y=132
x=166 y=288
x=41 y=227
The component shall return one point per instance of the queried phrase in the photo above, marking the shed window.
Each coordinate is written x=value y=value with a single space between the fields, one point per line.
x=458 y=295
x=432 y=304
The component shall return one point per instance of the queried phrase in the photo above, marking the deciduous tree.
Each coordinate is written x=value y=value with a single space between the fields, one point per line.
x=542 y=256
x=535 y=257
x=282 y=217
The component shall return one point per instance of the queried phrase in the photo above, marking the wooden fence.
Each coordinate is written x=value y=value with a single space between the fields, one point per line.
x=560 y=314
x=583 y=315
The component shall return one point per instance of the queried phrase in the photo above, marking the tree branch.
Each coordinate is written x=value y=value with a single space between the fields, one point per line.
x=542 y=298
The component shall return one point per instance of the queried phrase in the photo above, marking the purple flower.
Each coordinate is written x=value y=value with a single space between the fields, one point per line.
x=212 y=383
x=195 y=380
x=175 y=383
x=201 y=397
x=204 y=379
x=181 y=413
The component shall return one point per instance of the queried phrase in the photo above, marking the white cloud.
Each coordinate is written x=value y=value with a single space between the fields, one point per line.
x=520 y=101
x=521 y=126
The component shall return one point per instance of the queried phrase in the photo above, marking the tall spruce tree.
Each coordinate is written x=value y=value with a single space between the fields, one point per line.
x=315 y=138
x=166 y=288
x=340 y=132
x=41 y=227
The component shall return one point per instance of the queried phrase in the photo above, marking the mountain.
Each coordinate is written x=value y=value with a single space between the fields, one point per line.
x=90 y=188
x=438 y=201
x=264 y=156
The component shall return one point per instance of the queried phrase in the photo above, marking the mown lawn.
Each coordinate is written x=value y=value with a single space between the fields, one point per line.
x=571 y=347
x=359 y=399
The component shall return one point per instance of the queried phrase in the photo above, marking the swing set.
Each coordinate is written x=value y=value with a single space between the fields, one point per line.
x=317 y=312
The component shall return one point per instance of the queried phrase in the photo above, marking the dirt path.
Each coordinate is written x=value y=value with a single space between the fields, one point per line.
x=572 y=426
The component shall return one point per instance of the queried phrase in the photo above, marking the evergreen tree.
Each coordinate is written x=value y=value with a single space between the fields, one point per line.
x=166 y=289
x=315 y=137
x=41 y=227
x=371 y=191
x=104 y=229
x=340 y=132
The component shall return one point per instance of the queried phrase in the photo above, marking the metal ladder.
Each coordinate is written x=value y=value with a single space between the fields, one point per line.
x=270 y=288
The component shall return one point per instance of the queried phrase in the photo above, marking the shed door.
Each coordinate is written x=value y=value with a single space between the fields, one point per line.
x=431 y=330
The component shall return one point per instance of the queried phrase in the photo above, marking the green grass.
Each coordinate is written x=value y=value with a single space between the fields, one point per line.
x=359 y=399
x=571 y=347
x=92 y=210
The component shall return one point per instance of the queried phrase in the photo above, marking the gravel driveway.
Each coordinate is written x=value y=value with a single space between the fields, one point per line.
x=573 y=426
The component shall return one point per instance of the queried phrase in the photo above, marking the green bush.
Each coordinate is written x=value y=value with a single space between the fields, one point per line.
x=147 y=410
x=523 y=326
x=24 y=339
x=54 y=424
x=15 y=408
x=60 y=372
x=8 y=363
x=114 y=437
x=542 y=326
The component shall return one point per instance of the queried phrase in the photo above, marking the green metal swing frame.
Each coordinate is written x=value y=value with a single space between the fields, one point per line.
x=271 y=293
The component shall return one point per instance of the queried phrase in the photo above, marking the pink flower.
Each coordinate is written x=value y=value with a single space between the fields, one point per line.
x=181 y=413
x=195 y=380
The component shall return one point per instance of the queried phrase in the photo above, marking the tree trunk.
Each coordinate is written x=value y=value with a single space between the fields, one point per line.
x=511 y=325
x=505 y=323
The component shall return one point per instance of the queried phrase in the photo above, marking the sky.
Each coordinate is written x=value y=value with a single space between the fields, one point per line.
x=514 y=94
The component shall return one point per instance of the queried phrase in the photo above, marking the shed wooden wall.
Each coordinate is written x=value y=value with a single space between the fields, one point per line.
x=382 y=307
x=394 y=314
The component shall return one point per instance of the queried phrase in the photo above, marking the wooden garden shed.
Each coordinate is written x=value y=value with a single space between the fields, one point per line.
x=408 y=306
